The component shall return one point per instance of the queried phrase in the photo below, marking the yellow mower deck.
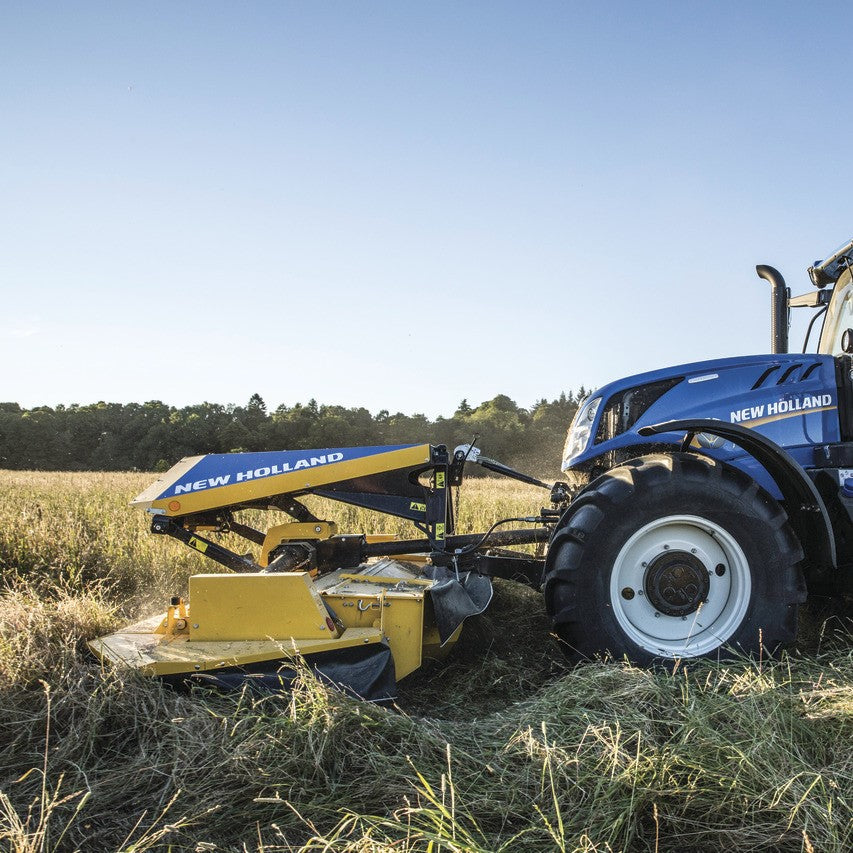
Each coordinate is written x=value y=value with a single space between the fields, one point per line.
x=239 y=619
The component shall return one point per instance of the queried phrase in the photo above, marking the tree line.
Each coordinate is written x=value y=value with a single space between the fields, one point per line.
x=152 y=436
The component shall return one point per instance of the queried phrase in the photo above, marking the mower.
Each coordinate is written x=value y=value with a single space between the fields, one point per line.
x=363 y=611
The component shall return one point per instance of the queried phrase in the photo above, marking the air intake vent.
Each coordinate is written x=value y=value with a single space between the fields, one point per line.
x=624 y=410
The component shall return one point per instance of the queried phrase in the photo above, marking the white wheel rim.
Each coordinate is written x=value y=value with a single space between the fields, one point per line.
x=715 y=620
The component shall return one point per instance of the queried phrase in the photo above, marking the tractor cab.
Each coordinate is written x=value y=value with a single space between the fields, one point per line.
x=838 y=321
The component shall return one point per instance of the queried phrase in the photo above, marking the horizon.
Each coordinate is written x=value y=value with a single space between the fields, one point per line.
x=272 y=409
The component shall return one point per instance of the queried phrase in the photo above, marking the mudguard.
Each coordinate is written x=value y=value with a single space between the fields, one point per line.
x=806 y=509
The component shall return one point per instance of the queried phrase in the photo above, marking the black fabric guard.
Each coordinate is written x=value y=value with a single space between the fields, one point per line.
x=454 y=600
x=363 y=672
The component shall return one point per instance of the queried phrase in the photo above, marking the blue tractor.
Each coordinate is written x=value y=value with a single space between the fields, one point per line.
x=710 y=498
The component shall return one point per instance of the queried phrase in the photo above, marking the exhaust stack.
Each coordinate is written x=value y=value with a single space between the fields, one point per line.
x=778 y=308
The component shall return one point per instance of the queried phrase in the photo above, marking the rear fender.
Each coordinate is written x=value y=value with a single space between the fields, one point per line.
x=806 y=509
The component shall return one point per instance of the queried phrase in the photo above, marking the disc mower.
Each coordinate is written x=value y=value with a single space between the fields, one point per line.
x=363 y=611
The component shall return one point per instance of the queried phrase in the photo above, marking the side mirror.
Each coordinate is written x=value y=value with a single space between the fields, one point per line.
x=847 y=341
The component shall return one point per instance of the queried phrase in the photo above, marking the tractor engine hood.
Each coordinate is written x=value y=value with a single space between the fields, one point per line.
x=791 y=399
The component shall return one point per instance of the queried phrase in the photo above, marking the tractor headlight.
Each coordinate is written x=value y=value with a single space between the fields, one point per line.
x=580 y=431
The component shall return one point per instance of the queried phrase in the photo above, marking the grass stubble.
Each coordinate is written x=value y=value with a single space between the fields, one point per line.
x=500 y=748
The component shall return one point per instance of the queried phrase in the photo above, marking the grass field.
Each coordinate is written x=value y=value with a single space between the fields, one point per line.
x=500 y=748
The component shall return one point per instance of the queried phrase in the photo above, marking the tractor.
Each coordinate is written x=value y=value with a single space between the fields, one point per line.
x=709 y=499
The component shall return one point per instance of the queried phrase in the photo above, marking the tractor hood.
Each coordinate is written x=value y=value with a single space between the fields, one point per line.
x=792 y=399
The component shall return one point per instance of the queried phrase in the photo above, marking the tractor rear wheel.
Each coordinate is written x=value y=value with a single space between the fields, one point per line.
x=672 y=556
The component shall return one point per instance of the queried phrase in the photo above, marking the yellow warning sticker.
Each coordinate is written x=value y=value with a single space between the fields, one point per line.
x=439 y=479
x=439 y=531
x=197 y=544
x=417 y=507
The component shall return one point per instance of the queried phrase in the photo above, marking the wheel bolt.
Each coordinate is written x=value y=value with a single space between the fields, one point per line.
x=657 y=615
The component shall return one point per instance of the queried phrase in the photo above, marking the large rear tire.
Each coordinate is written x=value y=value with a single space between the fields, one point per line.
x=673 y=556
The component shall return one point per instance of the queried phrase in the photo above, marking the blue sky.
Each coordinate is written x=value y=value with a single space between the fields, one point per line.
x=399 y=205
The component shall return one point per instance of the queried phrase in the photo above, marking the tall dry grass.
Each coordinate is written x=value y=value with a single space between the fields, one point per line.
x=501 y=748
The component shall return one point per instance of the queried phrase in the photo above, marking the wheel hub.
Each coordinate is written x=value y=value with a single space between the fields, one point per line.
x=666 y=564
x=676 y=583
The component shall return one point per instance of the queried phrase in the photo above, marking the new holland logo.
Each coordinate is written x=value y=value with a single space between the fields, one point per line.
x=258 y=473
x=786 y=406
